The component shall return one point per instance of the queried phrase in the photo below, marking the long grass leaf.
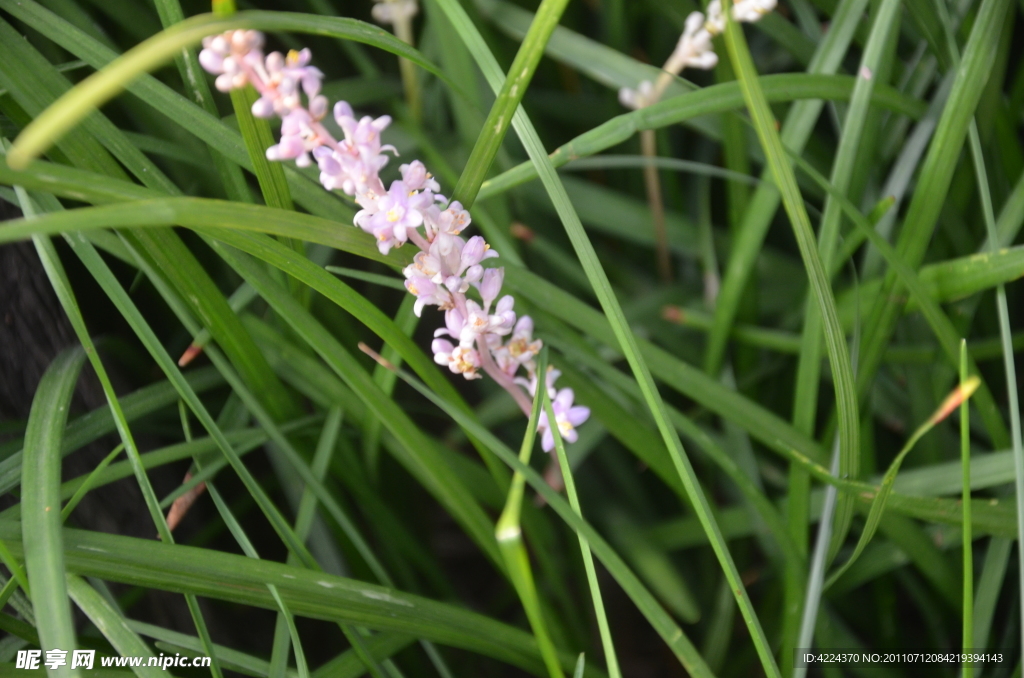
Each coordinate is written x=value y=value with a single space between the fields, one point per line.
x=588 y=558
x=835 y=340
x=345 y=665
x=624 y=335
x=1009 y=367
x=418 y=454
x=714 y=99
x=939 y=322
x=193 y=119
x=878 y=501
x=317 y=595
x=112 y=625
x=508 y=97
x=104 y=276
x=509 y=534
x=795 y=132
x=809 y=363
x=192 y=76
x=91 y=426
x=198 y=212
x=101 y=86
x=935 y=177
x=40 y=486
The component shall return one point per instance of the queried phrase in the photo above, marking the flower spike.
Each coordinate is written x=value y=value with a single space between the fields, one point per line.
x=485 y=336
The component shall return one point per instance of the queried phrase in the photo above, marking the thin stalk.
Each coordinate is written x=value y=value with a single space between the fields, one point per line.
x=1002 y=309
x=965 y=458
x=588 y=557
x=403 y=31
x=652 y=182
x=509 y=534
x=816 y=577
x=87 y=485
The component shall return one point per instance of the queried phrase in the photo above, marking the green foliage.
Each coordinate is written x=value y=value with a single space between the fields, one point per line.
x=375 y=507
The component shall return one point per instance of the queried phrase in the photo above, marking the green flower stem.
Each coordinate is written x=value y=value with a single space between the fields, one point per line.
x=509 y=534
x=588 y=557
x=968 y=541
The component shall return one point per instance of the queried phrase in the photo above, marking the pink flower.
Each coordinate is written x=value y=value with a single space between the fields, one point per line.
x=459 y=359
x=427 y=293
x=297 y=139
x=520 y=349
x=567 y=418
x=417 y=178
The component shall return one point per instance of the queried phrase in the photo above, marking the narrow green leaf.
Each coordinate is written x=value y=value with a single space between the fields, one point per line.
x=166 y=252
x=959 y=395
x=258 y=138
x=196 y=213
x=112 y=625
x=940 y=324
x=419 y=456
x=40 y=487
x=345 y=665
x=242 y=580
x=101 y=86
x=718 y=98
x=100 y=421
x=195 y=80
x=624 y=335
x=808 y=373
x=933 y=182
x=795 y=132
x=90 y=482
x=835 y=340
x=18 y=576
x=193 y=119
x=588 y=557
x=509 y=534
x=968 y=541
x=105 y=277
x=507 y=101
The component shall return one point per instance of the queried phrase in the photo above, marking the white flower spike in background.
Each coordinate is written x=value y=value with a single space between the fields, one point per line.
x=694 y=49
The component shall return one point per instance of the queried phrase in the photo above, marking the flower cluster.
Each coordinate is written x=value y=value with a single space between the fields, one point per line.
x=478 y=336
x=694 y=49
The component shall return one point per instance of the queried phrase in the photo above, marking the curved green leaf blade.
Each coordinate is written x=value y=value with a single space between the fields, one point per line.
x=40 y=486
x=60 y=118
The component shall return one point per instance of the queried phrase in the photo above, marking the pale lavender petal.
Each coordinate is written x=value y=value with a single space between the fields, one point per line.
x=211 y=61
x=547 y=441
x=564 y=399
x=577 y=415
x=506 y=303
